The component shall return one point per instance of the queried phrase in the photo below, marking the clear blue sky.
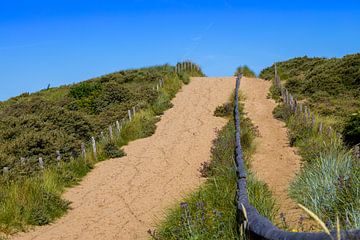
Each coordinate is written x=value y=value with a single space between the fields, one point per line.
x=60 y=42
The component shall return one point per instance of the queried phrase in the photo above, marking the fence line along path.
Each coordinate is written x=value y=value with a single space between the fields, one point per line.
x=274 y=161
x=123 y=198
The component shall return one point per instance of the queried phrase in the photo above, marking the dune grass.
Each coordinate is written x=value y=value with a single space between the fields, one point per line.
x=210 y=212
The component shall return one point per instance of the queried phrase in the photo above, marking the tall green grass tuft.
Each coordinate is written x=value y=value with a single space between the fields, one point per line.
x=330 y=187
x=210 y=212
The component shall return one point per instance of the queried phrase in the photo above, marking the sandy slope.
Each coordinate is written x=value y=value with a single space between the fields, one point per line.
x=123 y=198
x=274 y=162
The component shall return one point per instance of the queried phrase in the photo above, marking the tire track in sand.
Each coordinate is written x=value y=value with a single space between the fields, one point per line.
x=123 y=198
x=274 y=161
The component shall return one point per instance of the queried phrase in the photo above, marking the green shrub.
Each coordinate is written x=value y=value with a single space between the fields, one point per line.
x=246 y=71
x=224 y=110
x=111 y=150
x=351 y=131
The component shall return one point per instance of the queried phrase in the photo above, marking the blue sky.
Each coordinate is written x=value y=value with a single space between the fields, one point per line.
x=61 y=42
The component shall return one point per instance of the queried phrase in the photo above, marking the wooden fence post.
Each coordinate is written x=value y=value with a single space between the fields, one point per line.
x=5 y=170
x=286 y=96
x=102 y=135
x=58 y=156
x=111 y=133
x=83 y=151
x=313 y=121
x=93 y=143
x=129 y=114
x=329 y=131
x=134 y=110
x=320 y=127
x=41 y=162
x=23 y=161
x=295 y=106
x=118 y=126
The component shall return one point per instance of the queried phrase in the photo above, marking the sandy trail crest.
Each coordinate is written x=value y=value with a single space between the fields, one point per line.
x=274 y=161
x=123 y=198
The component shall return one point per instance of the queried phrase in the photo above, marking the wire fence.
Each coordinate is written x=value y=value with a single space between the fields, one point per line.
x=249 y=219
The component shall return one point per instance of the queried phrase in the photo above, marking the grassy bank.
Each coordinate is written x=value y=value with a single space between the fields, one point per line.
x=31 y=195
x=210 y=212
x=329 y=181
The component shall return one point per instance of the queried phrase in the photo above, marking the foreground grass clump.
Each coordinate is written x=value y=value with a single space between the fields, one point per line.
x=329 y=182
x=210 y=212
x=30 y=194
x=246 y=71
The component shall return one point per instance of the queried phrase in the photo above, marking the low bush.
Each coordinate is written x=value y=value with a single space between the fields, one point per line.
x=351 y=131
x=246 y=71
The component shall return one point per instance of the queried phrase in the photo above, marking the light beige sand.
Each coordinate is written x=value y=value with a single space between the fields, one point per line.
x=274 y=161
x=123 y=198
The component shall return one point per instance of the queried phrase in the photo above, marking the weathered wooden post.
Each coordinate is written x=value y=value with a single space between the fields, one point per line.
x=41 y=163
x=313 y=121
x=23 y=161
x=134 y=110
x=102 y=135
x=111 y=133
x=5 y=170
x=58 y=156
x=305 y=114
x=93 y=143
x=286 y=97
x=129 y=114
x=118 y=126
x=157 y=87
x=83 y=151
x=329 y=131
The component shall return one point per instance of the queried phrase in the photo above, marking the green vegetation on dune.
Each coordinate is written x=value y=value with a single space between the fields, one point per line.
x=329 y=180
x=246 y=71
x=331 y=87
x=210 y=212
x=60 y=119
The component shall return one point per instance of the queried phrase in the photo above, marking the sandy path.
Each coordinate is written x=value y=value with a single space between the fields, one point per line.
x=123 y=198
x=274 y=161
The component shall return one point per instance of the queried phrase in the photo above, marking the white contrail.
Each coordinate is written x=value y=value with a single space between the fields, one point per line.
x=197 y=40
